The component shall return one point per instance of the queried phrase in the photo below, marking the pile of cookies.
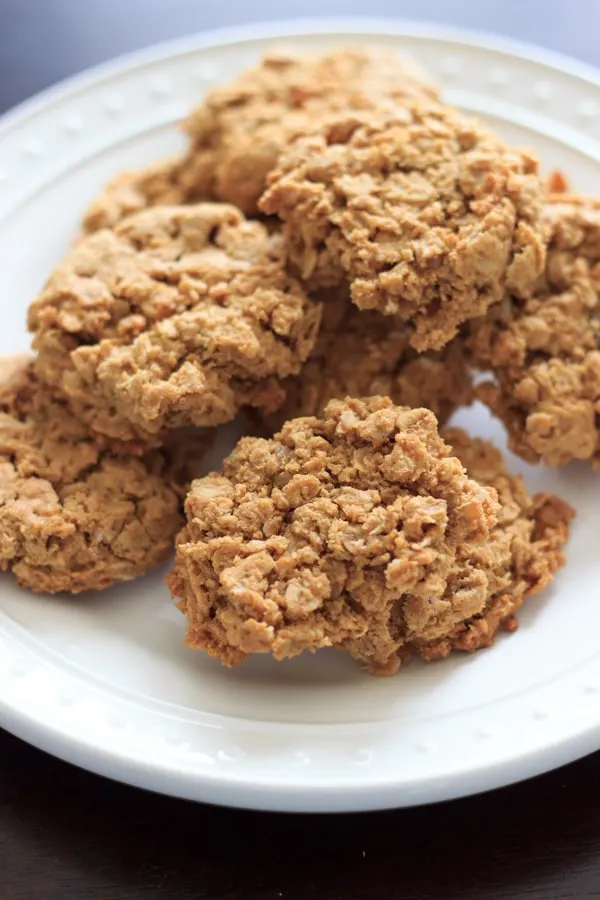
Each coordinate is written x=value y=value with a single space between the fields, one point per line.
x=332 y=257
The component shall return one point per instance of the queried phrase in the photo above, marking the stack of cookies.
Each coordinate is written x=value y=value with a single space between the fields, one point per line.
x=333 y=257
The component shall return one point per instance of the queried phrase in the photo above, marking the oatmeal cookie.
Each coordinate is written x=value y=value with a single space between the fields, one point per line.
x=356 y=530
x=363 y=354
x=238 y=132
x=543 y=351
x=76 y=514
x=179 y=316
x=361 y=530
x=426 y=212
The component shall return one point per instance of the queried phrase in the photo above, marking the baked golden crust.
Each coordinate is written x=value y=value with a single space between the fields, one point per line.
x=522 y=554
x=543 y=351
x=179 y=316
x=361 y=530
x=75 y=513
x=237 y=133
x=240 y=130
x=425 y=211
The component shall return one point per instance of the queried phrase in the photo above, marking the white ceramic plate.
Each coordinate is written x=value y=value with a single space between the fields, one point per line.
x=105 y=682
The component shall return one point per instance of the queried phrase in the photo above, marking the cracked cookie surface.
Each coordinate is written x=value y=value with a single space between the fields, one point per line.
x=544 y=350
x=425 y=211
x=521 y=556
x=358 y=530
x=241 y=129
x=179 y=316
x=76 y=514
x=237 y=133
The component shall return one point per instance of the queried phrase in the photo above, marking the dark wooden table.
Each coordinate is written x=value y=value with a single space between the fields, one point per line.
x=68 y=835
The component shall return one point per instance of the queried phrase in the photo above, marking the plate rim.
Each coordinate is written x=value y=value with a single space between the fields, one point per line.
x=284 y=28
x=222 y=786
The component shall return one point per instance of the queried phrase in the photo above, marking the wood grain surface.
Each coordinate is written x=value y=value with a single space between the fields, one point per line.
x=69 y=835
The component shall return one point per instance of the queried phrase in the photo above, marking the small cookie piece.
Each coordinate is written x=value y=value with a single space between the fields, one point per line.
x=543 y=351
x=238 y=132
x=179 y=316
x=426 y=212
x=522 y=554
x=557 y=183
x=363 y=354
x=356 y=530
x=75 y=514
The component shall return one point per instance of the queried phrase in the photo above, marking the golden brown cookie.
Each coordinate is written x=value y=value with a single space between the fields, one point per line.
x=238 y=132
x=75 y=513
x=356 y=530
x=543 y=351
x=179 y=316
x=425 y=211
x=361 y=530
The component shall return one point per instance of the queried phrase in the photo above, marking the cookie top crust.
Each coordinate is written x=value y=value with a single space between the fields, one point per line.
x=179 y=316
x=429 y=215
x=337 y=528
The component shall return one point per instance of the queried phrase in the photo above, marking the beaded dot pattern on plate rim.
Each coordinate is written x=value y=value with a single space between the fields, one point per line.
x=159 y=92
